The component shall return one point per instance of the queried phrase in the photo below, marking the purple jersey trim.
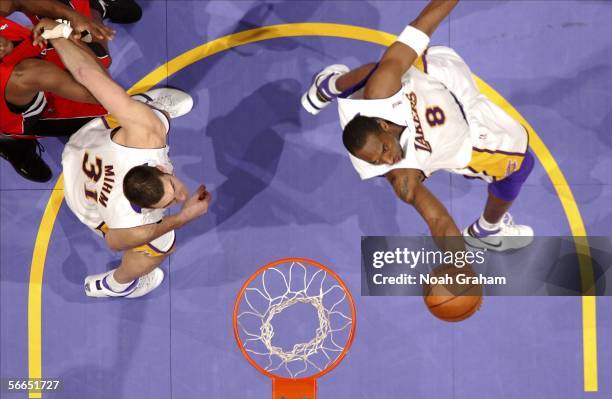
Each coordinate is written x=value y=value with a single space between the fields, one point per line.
x=100 y=228
x=497 y=152
x=105 y=122
x=347 y=93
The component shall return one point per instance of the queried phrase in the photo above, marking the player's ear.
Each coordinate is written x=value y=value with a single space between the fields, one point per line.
x=163 y=170
x=383 y=124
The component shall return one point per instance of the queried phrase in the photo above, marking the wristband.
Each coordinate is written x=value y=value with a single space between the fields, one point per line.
x=414 y=38
x=62 y=30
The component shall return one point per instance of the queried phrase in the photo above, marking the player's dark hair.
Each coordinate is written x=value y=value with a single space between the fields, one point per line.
x=143 y=186
x=357 y=131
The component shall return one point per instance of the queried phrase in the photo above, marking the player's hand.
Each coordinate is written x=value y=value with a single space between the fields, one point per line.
x=98 y=30
x=196 y=205
x=37 y=31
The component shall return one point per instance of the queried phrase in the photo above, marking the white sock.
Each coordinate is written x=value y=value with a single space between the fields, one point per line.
x=114 y=285
x=488 y=226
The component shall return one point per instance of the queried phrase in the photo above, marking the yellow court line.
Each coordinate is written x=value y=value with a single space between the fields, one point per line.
x=329 y=30
x=37 y=268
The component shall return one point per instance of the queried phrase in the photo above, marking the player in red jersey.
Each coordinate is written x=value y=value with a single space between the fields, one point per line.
x=40 y=97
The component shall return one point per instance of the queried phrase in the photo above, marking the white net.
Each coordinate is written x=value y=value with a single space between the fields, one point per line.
x=269 y=336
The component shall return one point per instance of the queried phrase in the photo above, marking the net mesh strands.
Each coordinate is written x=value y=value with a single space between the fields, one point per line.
x=283 y=288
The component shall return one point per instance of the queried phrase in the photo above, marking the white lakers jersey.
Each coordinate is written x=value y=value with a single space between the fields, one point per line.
x=436 y=134
x=466 y=134
x=94 y=167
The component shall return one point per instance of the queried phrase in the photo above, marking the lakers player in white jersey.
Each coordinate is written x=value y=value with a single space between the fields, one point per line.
x=118 y=178
x=405 y=124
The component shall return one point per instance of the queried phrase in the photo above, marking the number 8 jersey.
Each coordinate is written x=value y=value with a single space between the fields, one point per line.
x=449 y=124
x=94 y=167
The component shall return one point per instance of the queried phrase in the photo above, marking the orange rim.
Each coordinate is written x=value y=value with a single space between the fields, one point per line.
x=349 y=297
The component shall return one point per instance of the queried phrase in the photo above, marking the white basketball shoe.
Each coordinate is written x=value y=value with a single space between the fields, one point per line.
x=319 y=94
x=96 y=287
x=508 y=236
x=174 y=102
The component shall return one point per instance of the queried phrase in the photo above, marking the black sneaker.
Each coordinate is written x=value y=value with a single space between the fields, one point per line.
x=121 y=11
x=25 y=156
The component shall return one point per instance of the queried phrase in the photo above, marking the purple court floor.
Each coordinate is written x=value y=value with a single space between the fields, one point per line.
x=283 y=187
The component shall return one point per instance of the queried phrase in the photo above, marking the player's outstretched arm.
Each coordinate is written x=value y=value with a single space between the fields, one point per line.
x=194 y=207
x=144 y=129
x=407 y=184
x=56 y=9
x=410 y=44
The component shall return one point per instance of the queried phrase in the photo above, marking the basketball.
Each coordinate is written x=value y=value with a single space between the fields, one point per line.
x=448 y=298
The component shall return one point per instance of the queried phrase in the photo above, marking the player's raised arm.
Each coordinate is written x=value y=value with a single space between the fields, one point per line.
x=410 y=44
x=407 y=184
x=143 y=127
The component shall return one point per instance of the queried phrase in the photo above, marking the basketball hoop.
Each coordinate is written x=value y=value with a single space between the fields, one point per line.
x=281 y=302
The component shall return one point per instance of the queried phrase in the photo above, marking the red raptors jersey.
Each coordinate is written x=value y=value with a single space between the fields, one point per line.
x=11 y=123
x=48 y=106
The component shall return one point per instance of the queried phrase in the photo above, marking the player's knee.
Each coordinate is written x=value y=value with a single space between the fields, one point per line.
x=509 y=188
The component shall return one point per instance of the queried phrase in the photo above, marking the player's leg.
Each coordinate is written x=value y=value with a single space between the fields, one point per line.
x=134 y=265
x=495 y=228
x=137 y=275
x=495 y=208
x=333 y=81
